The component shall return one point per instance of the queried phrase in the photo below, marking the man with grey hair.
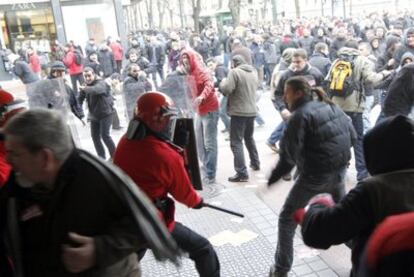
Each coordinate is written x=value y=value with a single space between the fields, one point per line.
x=66 y=210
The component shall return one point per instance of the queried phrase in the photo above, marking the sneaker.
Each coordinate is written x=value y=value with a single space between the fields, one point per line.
x=209 y=181
x=273 y=147
x=239 y=178
x=274 y=273
x=287 y=177
x=255 y=167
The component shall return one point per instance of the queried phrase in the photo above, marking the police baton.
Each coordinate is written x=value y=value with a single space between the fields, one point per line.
x=222 y=209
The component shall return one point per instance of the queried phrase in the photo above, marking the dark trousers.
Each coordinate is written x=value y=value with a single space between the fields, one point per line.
x=160 y=70
x=116 y=124
x=360 y=166
x=100 y=130
x=268 y=70
x=74 y=79
x=242 y=128
x=199 y=249
x=118 y=66
x=303 y=190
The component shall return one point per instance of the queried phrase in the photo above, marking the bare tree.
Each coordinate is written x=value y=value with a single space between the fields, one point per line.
x=297 y=8
x=180 y=5
x=196 y=4
x=161 y=5
x=234 y=6
x=148 y=5
x=274 y=12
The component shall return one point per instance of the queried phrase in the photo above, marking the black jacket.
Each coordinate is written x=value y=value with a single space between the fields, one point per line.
x=312 y=74
x=132 y=88
x=321 y=62
x=107 y=62
x=99 y=99
x=24 y=72
x=400 y=96
x=159 y=54
x=317 y=139
x=389 y=191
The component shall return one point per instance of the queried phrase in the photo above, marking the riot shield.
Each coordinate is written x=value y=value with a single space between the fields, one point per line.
x=56 y=94
x=181 y=89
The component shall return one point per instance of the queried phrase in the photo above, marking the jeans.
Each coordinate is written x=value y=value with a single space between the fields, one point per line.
x=226 y=59
x=100 y=130
x=268 y=71
x=369 y=104
x=223 y=113
x=160 y=70
x=206 y=133
x=305 y=187
x=199 y=249
x=277 y=133
x=74 y=80
x=243 y=128
x=360 y=166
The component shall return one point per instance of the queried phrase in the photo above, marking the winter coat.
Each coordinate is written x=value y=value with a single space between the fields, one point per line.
x=389 y=191
x=310 y=73
x=240 y=87
x=97 y=68
x=402 y=49
x=71 y=208
x=90 y=48
x=24 y=72
x=220 y=73
x=270 y=54
x=287 y=42
x=159 y=54
x=203 y=82
x=258 y=55
x=70 y=61
x=5 y=167
x=400 y=96
x=107 y=62
x=306 y=43
x=321 y=62
x=132 y=88
x=364 y=74
x=336 y=45
x=317 y=39
x=214 y=47
x=203 y=49
x=317 y=139
x=158 y=169
x=117 y=51
x=99 y=99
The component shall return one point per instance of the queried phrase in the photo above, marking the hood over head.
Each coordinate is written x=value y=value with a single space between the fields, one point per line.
x=238 y=60
x=390 y=145
x=287 y=55
x=194 y=60
x=407 y=55
x=346 y=51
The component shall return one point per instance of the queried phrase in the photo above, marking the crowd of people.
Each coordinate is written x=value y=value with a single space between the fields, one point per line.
x=324 y=75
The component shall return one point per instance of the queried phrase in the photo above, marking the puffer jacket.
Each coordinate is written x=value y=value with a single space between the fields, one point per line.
x=240 y=86
x=364 y=74
x=99 y=99
x=317 y=139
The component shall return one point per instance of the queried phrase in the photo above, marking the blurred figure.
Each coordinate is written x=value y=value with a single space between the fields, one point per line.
x=73 y=62
x=34 y=61
x=118 y=53
x=106 y=60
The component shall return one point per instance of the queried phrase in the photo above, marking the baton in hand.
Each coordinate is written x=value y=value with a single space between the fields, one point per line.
x=222 y=209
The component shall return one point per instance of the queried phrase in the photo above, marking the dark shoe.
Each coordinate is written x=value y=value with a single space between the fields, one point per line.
x=117 y=128
x=239 y=178
x=274 y=273
x=255 y=167
x=224 y=131
x=287 y=177
x=273 y=147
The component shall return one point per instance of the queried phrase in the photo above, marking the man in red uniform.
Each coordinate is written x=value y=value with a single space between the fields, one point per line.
x=157 y=167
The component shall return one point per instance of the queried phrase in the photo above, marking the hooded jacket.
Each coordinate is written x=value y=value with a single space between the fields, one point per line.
x=363 y=72
x=402 y=49
x=203 y=81
x=99 y=99
x=107 y=61
x=240 y=86
x=389 y=191
x=70 y=61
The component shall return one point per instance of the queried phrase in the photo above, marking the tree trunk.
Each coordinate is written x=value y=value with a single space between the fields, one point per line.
x=297 y=8
x=234 y=6
x=180 y=4
x=148 y=5
x=196 y=14
x=161 y=10
x=220 y=4
x=141 y=18
x=274 y=12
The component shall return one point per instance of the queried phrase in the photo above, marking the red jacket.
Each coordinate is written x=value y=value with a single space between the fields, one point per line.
x=158 y=170
x=117 y=50
x=203 y=82
x=5 y=168
x=70 y=61
x=34 y=62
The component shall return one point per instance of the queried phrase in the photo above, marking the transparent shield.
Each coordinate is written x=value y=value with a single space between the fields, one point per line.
x=57 y=95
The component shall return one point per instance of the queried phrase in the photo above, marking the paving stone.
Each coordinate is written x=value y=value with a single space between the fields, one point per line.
x=327 y=273
x=318 y=265
x=302 y=269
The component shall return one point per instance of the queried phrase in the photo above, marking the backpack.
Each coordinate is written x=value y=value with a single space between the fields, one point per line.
x=78 y=57
x=341 y=81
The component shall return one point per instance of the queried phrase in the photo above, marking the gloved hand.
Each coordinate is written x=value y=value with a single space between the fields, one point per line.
x=324 y=199
x=199 y=205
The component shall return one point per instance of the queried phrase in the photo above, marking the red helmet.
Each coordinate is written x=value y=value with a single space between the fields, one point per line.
x=154 y=109
x=9 y=106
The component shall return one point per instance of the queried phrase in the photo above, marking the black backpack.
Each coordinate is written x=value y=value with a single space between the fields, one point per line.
x=78 y=57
